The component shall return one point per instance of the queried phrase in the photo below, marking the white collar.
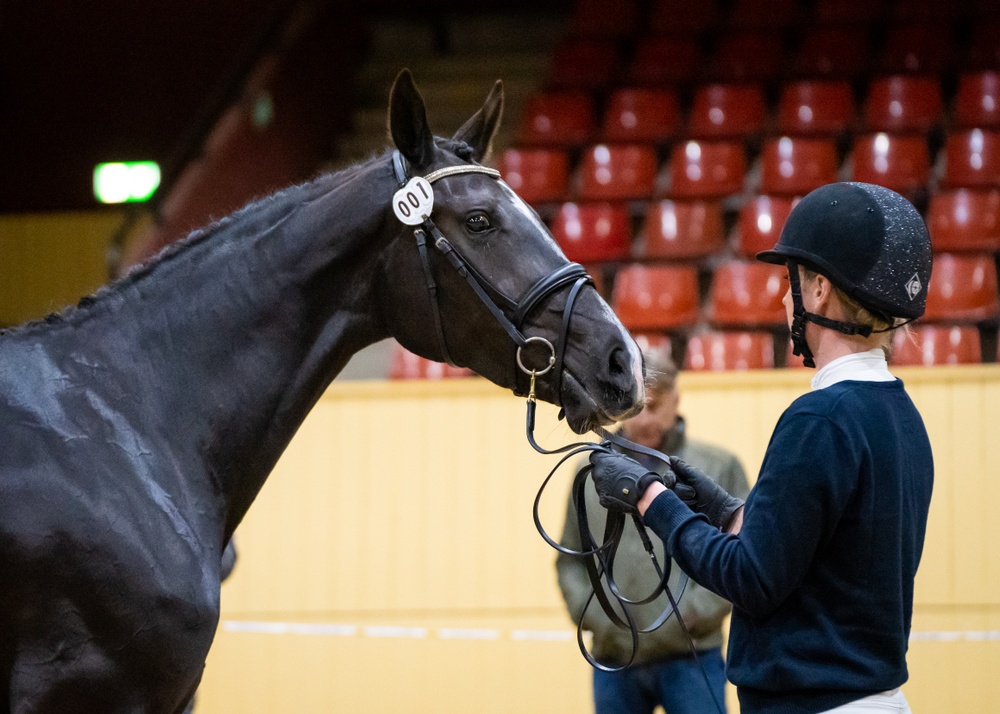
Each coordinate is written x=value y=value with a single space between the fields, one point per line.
x=867 y=366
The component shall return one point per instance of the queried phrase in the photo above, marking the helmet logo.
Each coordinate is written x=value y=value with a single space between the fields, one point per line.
x=913 y=286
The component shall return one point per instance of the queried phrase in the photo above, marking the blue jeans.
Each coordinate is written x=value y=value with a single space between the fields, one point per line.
x=676 y=684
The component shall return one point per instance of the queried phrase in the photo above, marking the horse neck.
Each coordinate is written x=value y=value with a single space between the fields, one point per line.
x=234 y=337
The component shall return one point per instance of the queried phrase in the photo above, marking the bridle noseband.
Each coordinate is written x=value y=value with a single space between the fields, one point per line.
x=508 y=312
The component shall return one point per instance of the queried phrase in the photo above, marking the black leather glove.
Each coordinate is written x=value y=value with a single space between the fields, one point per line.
x=703 y=495
x=620 y=481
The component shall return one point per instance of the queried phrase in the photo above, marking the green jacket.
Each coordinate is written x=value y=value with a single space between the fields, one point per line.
x=703 y=611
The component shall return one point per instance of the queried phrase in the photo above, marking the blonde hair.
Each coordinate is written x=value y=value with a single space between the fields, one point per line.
x=856 y=313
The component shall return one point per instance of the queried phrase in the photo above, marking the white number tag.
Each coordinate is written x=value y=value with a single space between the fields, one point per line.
x=414 y=202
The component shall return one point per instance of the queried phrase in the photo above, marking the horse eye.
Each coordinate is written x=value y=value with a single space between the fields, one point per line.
x=477 y=223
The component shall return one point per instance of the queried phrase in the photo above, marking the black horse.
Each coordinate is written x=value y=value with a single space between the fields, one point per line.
x=137 y=428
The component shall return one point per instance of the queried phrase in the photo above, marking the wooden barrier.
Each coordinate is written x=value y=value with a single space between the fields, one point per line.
x=391 y=564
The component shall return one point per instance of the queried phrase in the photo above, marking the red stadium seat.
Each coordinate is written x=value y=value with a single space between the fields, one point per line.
x=984 y=49
x=583 y=64
x=901 y=163
x=683 y=229
x=922 y=47
x=972 y=159
x=963 y=288
x=793 y=361
x=612 y=172
x=656 y=297
x=822 y=108
x=926 y=12
x=794 y=167
x=760 y=223
x=748 y=293
x=557 y=119
x=902 y=103
x=683 y=17
x=653 y=341
x=641 y=115
x=850 y=12
x=751 y=56
x=536 y=175
x=964 y=220
x=977 y=101
x=834 y=52
x=763 y=14
x=930 y=345
x=593 y=232
x=665 y=61
x=406 y=365
x=706 y=169
x=723 y=351
x=604 y=18
x=727 y=111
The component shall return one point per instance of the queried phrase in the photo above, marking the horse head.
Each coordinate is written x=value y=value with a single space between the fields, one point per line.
x=535 y=309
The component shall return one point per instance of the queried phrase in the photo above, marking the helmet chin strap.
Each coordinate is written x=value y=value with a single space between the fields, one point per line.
x=800 y=316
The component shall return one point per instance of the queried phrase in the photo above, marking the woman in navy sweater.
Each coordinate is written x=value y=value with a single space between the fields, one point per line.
x=819 y=563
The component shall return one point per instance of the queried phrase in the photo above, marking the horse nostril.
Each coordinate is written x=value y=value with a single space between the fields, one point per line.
x=618 y=363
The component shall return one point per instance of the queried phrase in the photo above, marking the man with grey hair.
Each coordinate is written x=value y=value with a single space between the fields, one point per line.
x=664 y=671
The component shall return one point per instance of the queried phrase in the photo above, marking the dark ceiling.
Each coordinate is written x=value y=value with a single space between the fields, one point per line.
x=105 y=80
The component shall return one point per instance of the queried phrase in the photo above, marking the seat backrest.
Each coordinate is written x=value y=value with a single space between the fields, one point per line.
x=682 y=17
x=588 y=64
x=665 y=61
x=656 y=297
x=963 y=288
x=641 y=115
x=760 y=223
x=898 y=162
x=683 y=229
x=748 y=293
x=903 y=103
x=604 y=18
x=727 y=111
x=918 y=47
x=815 y=107
x=706 y=169
x=972 y=159
x=964 y=220
x=557 y=118
x=718 y=351
x=612 y=172
x=593 y=232
x=834 y=52
x=538 y=175
x=796 y=166
x=977 y=100
x=748 y=56
x=930 y=345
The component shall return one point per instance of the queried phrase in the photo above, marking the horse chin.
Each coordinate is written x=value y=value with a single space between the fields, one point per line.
x=583 y=412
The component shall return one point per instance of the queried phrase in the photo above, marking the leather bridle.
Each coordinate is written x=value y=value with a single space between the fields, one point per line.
x=510 y=313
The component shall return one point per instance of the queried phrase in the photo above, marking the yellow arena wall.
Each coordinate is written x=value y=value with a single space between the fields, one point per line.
x=391 y=563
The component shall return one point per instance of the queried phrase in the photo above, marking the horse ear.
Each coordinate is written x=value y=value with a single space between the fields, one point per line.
x=408 y=122
x=482 y=126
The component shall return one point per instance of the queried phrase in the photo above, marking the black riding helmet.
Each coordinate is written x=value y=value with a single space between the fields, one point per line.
x=869 y=241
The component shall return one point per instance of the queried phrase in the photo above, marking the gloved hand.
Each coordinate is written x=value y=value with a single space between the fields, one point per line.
x=703 y=495
x=621 y=481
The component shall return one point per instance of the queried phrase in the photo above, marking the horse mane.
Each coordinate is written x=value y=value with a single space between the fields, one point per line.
x=259 y=212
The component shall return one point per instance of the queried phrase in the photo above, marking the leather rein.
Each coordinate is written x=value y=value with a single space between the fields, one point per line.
x=510 y=313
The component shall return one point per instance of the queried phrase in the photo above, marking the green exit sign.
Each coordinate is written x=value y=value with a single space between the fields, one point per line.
x=126 y=181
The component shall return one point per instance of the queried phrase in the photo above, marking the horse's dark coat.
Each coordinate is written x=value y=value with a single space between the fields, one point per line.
x=136 y=429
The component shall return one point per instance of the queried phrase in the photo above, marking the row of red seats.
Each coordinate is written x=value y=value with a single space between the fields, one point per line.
x=895 y=103
x=625 y=18
x=724 y=350
x=959 y=220
x=789 y=166
x=963 y=289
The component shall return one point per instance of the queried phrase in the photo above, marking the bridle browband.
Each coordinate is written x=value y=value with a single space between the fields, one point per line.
x=508 y=312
